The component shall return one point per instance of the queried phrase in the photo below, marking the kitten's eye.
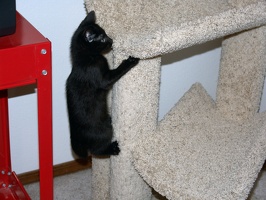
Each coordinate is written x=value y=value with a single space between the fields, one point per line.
x=103 y=40
x=89 y=37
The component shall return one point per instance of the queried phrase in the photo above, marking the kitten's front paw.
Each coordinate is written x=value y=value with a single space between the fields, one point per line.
x=132 y=60
x=115 y=148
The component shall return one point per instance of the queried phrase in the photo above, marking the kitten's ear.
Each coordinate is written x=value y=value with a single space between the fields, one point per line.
x=91 y=17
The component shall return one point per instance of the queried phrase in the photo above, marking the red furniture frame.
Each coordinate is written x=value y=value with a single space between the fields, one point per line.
x=25 y=58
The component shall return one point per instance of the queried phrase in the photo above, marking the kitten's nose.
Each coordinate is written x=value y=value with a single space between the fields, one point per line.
x=110 y=40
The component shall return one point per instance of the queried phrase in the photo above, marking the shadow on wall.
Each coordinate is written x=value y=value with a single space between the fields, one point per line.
x=190 y=52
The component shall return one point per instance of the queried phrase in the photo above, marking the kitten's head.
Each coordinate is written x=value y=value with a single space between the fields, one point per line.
x=89 y=36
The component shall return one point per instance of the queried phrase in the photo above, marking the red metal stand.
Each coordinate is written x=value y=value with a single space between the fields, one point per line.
x=25 y=58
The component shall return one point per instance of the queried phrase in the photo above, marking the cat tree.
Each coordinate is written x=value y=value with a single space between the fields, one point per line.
x=201 y=149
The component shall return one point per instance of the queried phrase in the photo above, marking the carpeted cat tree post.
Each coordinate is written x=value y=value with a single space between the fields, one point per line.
x=201 y=149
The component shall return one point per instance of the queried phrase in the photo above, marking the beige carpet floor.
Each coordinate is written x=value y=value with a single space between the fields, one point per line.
x=77 y=186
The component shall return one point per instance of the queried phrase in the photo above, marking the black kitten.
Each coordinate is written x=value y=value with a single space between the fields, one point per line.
x=87 y=87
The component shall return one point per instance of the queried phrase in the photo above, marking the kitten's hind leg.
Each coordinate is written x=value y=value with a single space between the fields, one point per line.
x=79 y=149
x=112 y=149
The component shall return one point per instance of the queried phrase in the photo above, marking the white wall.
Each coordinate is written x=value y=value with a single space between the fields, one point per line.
x=57 y=20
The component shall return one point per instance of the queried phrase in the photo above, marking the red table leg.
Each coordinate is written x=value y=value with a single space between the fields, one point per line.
x=44 y=92
x=5 y=164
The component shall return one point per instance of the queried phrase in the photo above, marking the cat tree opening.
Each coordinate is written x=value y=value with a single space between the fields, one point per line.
x=181 y=69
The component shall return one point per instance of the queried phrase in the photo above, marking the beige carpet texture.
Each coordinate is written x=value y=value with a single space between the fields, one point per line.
x=77 y=186
x=202 y=149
